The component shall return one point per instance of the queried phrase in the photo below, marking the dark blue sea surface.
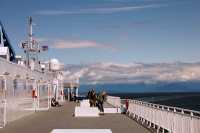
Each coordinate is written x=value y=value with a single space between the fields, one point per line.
x=184 y=95
x=189 y=86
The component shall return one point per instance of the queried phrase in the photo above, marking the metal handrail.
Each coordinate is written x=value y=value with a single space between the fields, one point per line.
x=167 y=108
x=164 y=118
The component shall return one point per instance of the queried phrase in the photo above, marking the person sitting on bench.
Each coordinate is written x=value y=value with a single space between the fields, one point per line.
x=54 y=103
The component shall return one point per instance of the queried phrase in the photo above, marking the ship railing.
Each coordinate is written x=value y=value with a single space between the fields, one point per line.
x=21 y=96
x=114 y=101
x=162 y=118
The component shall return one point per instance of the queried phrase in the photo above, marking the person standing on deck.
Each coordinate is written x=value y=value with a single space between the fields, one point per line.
x=93 y=98
x=89 y=96
x=101 y=99
x=127 y=104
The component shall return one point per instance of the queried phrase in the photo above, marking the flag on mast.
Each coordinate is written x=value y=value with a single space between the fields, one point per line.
x=45 y=48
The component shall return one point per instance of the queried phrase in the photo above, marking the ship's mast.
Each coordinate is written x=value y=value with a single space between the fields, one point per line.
x=30 y=38
x=31 y=47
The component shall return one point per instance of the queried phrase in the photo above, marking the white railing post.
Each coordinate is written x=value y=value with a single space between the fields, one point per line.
x=191 y=123
x=149 y=124
x=38 y=97
x=174 y=120
x=158 y=129
x=49 y=101
x=163 y=130
x=182 y=118
x=5 y=104
x=154 y=117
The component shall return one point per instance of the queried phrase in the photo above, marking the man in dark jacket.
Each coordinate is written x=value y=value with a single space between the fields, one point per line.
x=101 y=99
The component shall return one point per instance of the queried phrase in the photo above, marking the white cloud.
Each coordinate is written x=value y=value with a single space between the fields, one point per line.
x=77 y=44
x=108 y=10
x=40 y=40
x=134 y=73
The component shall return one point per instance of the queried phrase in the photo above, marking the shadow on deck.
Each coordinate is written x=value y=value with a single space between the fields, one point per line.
x=61 y=118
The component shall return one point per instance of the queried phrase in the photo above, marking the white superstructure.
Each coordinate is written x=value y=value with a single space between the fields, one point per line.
x=26 y=85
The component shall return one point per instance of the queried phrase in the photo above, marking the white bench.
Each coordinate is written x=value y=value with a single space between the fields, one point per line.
x=85 y=103
x=81 y=131
x=86 y=112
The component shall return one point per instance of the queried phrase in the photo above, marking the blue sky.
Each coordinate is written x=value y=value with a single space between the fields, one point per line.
x=123 y=31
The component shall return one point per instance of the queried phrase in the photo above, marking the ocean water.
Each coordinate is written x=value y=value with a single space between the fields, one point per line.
x=189 y=86
x=183 y=95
